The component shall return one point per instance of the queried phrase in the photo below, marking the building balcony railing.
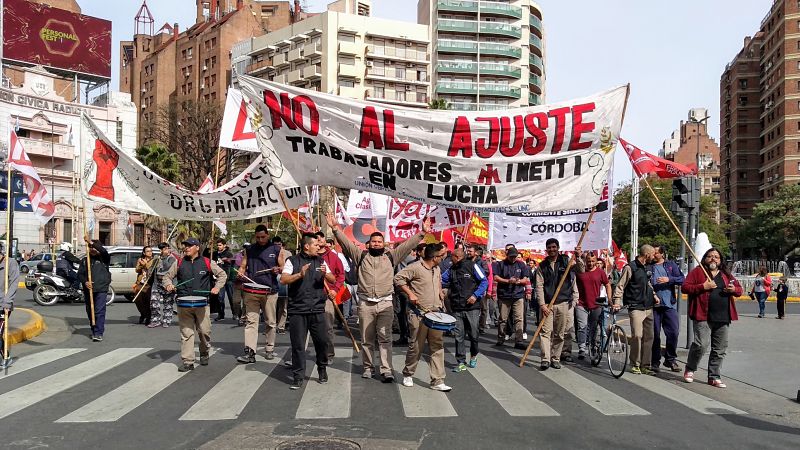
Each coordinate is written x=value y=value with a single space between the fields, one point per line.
x=413 y=99
x=500 y=90
x=497 y=48
x=503 y=9
x=472 y=68
x=454 y=46
x=259 y=67
x=501 y=29
x=280 y=60
x=312 y=72
x=45 y=148
x=458 y=26
x=466 y=106
x=471 y=47
x=295 y=76
x=536 y=24
x=536 y=44
x=457 y=5
x=349 y=70
x=351 y=92
x=536 y=62
x=295 y=54
x=351 y=48
x=467 y=87
x=534 y=99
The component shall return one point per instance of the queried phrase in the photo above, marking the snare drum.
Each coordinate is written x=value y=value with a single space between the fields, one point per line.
x=439 y=321
x=256 y=288
x=192 y=301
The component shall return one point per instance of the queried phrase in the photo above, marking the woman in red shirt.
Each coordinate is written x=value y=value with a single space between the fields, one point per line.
x=591 y=280
x=712 y=309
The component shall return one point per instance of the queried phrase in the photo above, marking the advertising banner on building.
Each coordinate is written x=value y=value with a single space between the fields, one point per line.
x=37 y=33
x=540 y=158
x=236 y=131
x=112 y=177
x=531 y=230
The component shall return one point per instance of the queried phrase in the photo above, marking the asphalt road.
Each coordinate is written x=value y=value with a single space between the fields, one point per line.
x=125 y=392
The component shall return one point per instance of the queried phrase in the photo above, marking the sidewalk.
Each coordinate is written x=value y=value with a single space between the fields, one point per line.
x=25 y=324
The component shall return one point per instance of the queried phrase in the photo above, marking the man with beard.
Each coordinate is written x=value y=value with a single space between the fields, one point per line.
x=666 y=276
x=375 y=268
x=635 y=291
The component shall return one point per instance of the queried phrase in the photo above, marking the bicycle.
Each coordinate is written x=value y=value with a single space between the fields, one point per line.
x=611 y=340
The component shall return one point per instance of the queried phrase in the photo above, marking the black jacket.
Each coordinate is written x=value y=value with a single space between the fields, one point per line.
x=101 y=276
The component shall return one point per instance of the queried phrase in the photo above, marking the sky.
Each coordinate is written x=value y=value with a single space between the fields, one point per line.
x=672 y=53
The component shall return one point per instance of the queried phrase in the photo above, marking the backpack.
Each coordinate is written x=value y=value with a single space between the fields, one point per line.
x=208 y=263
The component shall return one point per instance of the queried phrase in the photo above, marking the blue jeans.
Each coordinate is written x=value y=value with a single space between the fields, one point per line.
x=668 y=319
x=761 y=297
x=99 y=311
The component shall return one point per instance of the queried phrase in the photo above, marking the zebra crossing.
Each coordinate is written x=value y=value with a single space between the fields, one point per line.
x=244 y=385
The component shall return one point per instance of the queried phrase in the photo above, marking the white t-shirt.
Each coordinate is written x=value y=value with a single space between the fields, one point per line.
x=288 y=267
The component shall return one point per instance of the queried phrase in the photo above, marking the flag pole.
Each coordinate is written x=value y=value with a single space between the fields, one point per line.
x=216 y=181
x=88 y=257
x=292 y=218
x=9 y=206
x=674 y=225
x=558 y=289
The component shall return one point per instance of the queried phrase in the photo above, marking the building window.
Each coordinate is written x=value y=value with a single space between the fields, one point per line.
x=67 y=229
x=138 y=234
x=189 y=53
x=743 y=84
x=119 y=131
x=400 y=72
x=346 y=83
x=104 y=234
x=213 y=62
x=378 y=92
x=400 y=95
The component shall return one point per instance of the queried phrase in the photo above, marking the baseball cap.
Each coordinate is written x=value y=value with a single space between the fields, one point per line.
x=191 y=241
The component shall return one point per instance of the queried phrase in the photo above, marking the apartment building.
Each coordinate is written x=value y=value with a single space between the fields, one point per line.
x=486 y=55
x=348 y=54
x=691 y=145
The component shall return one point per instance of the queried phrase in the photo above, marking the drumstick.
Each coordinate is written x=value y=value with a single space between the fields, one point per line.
x=181 y=284
x=202 y=292
x=248 y=278
x=265 y=270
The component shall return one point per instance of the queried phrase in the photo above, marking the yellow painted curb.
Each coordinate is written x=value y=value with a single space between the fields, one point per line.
x=21 y=285
x=34 y=327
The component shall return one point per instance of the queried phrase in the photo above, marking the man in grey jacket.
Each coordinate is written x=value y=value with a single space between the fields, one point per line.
x=7 y=294
x=375 y=268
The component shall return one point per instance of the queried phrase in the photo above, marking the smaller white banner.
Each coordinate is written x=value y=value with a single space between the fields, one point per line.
x=406 y=216
x=236 y=131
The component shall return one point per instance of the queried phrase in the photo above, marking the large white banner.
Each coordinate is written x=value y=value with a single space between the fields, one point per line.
x=112 y=177
x=543 y=158
x=530 y=231
x=236 y=131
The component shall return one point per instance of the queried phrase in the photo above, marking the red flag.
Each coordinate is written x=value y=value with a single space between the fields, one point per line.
x=619 y=255
x=644 y=162
x=43 y=206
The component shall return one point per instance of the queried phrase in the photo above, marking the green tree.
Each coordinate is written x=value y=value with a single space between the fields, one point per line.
x=774 y=228
x=438 y=103
x=654 y=227
x=161 y=161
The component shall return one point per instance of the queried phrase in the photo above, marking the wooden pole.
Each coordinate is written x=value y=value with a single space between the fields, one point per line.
x=157 y=260
x=677 y=229
x=88 y=265
x=9 y=205
x=344 y=321
x=558 y=289
x=216 y=181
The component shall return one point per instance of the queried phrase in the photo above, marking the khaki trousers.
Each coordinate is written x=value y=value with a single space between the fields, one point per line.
x=375 y=320
x=330 y=318
x=641 y=337
x=553 y=329
x=253 y=305
x=569 y=333
x=283 y=303
x=517 y=308
x=418 y=335
x=191 y=321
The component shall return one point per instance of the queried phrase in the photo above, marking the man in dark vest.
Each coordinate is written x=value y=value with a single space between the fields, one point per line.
x=512 y=276
x=192 y=278
x=635 y=291
x=466 y=284
x=556 y=320
x=306 y=274
x=262 y=263
x=101 y=280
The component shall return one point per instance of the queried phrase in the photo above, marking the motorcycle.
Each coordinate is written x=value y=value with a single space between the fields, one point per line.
x=49 y=288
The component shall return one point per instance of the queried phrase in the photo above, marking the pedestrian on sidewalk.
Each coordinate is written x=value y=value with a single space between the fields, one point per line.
x=666 y=277
x=422 y=283
x=306 y=274
x=98 y=287
x=761 y=289
x=635 y=291
x=782 y=293
x=712 y=308
x=7 y=293
x=192 y=277
x=162 y=302
x=465 y=283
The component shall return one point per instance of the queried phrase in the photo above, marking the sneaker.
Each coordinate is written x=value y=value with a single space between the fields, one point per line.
x=165 y=325
x=323 y=375
x=367 y=374
x=673 y=366
x=249 y=356
x=153 y=325
x=555 y=364
x=655 y=369
x=544 y=365
x=566 y=358
x=408 y=382
x=270 y=356
x=581 y=355
x=287 y=363
x=186 y=367
x=203 y=360
x=500 y=342
x=461 y=367
x=473 y=362
x=524 y=336
x=507 y=338
x=520 y=346
x=387 y=378
x=441 y=387
x=647 y=371
x=688 y=376
x=98 y=338
x=297 y=383
x=636 y=370
x=717 y=383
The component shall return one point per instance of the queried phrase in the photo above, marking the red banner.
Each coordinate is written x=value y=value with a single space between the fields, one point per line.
x=40 y=34
x=477 y=231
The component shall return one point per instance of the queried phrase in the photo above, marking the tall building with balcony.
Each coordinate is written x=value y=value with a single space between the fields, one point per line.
x=691 y=145
x=348 y=54
x=486 y=55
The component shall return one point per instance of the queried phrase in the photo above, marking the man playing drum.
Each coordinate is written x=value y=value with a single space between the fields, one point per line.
x=192 y=277
x=261 y=264
x=422 y=283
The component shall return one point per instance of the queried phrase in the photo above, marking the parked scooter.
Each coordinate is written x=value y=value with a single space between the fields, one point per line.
x=49 y=288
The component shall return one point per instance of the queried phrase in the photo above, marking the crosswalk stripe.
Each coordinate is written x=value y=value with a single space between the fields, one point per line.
x=228 y=398
x=124 y=399
x=420 y=401
x=331 y=400
x=30 y=394
x=511 y=395
x=594 y=395
x=34 y=360
x=685 y=397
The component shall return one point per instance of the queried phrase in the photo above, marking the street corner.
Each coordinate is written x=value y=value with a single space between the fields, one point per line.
x=25 y=324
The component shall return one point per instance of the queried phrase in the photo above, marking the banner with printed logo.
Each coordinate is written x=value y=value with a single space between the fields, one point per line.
x=405 y=218
x=538 y=158
x=236 y=131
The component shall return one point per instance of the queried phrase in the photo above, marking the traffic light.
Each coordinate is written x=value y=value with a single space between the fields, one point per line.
x=685 y=194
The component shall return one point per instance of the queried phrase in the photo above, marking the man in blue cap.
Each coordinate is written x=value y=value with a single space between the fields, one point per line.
x=192 y=277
